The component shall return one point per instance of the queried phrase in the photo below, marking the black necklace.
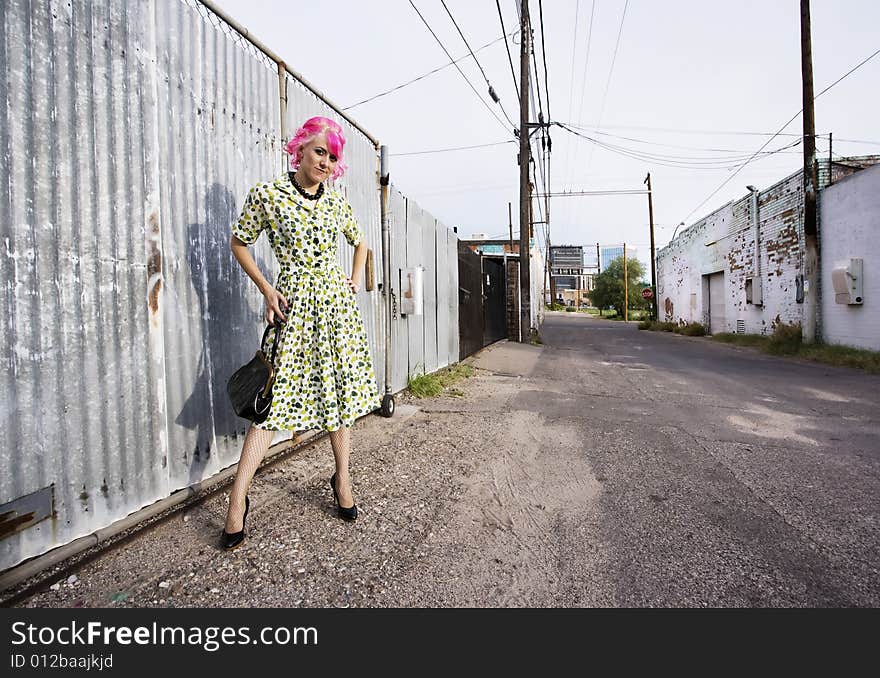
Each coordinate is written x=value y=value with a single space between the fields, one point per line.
x=305 y=194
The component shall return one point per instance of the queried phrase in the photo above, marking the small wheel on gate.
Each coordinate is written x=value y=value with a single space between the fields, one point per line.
x=387 y=408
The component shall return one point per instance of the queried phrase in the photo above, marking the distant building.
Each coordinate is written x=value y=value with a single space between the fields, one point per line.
x=482 y=244
x=568 y=274
x=609 y=254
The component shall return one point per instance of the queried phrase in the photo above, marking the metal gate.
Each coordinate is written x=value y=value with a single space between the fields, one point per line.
x=470 y=302
x=494 y=302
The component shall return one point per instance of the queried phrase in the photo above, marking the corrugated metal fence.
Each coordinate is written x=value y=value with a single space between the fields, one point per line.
x=130 y=135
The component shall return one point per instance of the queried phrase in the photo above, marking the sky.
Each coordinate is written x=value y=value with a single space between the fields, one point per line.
x=693 y=88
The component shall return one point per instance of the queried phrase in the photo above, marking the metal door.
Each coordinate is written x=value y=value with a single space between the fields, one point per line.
x=470 y=302
x=717 y=322
x=494 y=302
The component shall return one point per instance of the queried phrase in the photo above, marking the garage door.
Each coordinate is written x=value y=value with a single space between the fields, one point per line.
x=716 y=303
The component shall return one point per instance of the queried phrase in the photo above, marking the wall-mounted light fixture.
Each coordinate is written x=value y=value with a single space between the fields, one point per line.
x=676 y=231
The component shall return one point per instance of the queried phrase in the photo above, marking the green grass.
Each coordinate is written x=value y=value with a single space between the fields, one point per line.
x=430 y=385
x=786 y=340
x=742 y=339
x=657 y=326
x=842 y=356
x=691 y=330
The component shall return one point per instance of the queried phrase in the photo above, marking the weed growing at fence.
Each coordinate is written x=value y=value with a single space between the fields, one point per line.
x=430 y=385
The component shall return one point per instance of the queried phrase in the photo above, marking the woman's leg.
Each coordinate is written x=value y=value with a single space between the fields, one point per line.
x=340 y=440
x=256 y=444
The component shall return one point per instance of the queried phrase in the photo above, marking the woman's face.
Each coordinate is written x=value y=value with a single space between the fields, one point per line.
x=318 y=163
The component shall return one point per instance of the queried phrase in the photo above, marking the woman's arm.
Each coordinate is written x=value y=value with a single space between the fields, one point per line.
x=274 y=299
x=357 y=265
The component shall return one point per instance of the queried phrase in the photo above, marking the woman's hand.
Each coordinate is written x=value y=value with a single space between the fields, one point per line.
x=352 y=285
x=275 y=302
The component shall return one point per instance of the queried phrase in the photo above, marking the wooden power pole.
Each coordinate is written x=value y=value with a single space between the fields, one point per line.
x=525 y=313
x=811 y=231
x=625 y=287
x=653 y=257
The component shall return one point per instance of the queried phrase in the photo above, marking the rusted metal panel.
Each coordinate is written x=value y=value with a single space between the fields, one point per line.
x=218 y=135
x=82 y=406
x=130 y=135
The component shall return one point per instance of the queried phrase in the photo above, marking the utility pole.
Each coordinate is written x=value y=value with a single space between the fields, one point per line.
x=811 y=231
x=547 y=217
x=598 y=260
x=525 y=223
x=510 y=224
x=830 y=158
x=625 y=287
x=653 y=272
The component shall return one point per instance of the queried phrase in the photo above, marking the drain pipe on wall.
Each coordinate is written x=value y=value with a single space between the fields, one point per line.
x=387 y=408
x=758 y=281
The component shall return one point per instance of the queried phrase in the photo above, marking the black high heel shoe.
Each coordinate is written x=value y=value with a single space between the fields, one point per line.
x=231 y=541
x=345 y=513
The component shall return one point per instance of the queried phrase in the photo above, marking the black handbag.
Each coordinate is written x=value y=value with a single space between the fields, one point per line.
x=250 y=388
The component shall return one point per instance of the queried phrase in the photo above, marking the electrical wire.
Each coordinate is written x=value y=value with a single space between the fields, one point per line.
x=507 y=46
x=654 y=143
x=492 y=93
x=574 y=43
x=488 y=108
x=544 y=57
x=787 y=123
x=586 y=61
x=456 y=148
x=677 y=161
x=610 y=73
x=422 y=77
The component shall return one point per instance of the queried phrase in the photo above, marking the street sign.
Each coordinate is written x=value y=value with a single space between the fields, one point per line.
x=647 y=293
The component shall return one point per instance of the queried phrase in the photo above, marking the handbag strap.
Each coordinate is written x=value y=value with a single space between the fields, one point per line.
x=274 y=340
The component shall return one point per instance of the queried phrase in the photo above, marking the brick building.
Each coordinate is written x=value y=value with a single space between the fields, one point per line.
x=740 y=269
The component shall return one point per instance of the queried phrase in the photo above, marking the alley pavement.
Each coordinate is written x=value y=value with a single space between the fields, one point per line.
x=605 y=467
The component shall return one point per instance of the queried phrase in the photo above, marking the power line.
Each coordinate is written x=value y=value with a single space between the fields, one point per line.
x=500 y=121
x=610 y=72
x=676 y=130
x=492 y=92
x=574 y=43
x=507 y=46
x=584 y=82
x=422 y=77
x=456 y=148
x=676 y=161
x=689 y=148
x=787 y=123
x=613 y=61
x=544 y=57
x=586 y=61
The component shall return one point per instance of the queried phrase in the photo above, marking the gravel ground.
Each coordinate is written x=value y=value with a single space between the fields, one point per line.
x=435 y=492
x=606 y=468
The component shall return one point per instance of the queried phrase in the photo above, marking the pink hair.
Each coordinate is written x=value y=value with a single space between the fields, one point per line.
x=309 y=130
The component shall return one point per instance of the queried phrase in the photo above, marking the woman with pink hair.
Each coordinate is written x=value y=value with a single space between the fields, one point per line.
x=324 y=370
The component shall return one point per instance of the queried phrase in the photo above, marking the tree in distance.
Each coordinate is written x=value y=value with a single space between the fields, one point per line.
x=608 y=289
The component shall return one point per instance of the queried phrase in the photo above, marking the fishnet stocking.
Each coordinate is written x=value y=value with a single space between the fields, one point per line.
x=340 y=441
x=256 y=444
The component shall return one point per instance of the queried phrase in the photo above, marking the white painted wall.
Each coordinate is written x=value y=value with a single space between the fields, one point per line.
x=850 y=227
x=725 y=241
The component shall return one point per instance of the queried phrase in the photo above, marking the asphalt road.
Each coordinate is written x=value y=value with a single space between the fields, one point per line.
x=729 y=477
x=606 y=468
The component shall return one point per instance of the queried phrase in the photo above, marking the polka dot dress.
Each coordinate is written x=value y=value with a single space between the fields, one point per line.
x=325 y=376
